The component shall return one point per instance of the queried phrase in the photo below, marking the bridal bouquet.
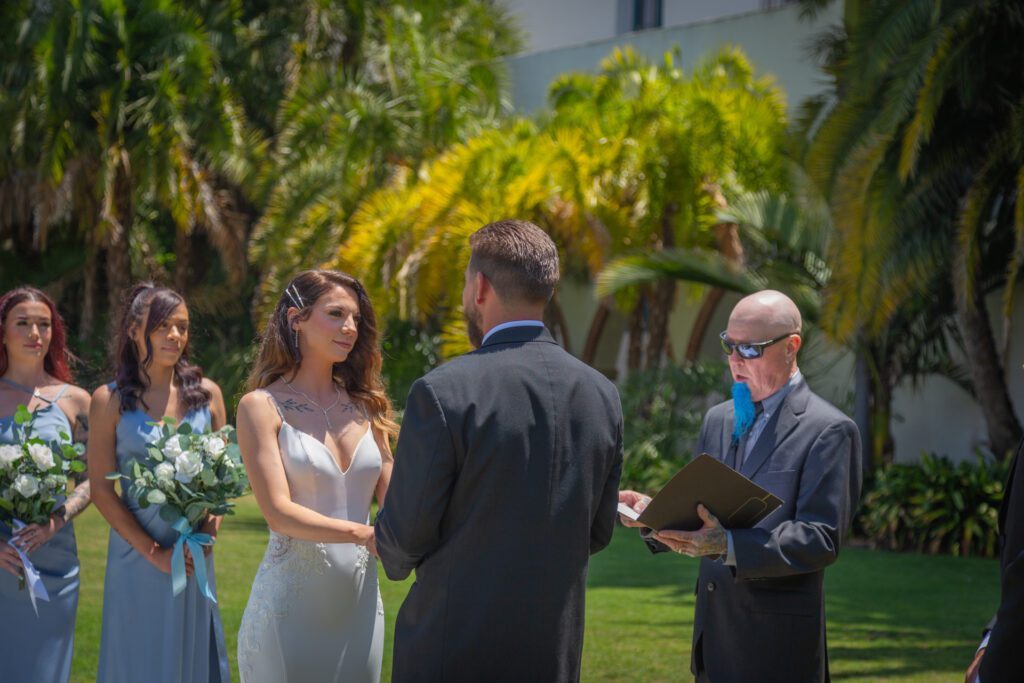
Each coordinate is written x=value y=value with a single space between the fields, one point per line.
x=189 y=475
x=33 y=477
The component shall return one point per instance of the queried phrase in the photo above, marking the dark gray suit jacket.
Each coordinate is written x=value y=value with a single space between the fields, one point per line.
x=505 y=481
x=1003 y=660
x=764 y=619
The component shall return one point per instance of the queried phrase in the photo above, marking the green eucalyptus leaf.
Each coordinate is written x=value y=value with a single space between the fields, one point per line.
x=22 y=415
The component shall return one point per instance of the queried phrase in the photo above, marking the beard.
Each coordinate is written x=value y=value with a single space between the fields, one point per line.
x=474 y=326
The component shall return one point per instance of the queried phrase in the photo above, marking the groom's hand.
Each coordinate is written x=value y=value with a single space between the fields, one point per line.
x=638 y=502
x=708 y=540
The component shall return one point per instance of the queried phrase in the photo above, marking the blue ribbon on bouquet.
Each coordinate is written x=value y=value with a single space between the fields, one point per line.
x=195 y=541
x=36 y=589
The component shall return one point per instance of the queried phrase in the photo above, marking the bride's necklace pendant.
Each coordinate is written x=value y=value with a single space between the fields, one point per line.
x=325 y=411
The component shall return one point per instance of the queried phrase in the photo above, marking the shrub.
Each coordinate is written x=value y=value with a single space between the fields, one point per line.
x=409 y=353
x=936 y=506
x=663 y=410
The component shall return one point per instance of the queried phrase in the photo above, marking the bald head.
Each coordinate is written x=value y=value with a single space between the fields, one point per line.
x=762 y=317
x=768 y=313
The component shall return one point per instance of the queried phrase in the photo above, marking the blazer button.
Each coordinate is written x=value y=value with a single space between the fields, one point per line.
x=711 y=586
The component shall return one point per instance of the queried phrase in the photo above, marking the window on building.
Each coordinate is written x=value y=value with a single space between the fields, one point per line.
x=646 y=14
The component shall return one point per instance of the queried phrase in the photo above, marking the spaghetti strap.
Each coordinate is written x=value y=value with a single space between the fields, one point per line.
x=35 y=393
x=63 y=388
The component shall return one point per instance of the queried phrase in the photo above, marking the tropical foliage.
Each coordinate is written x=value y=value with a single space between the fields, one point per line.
x=936 y=506
x=920 y=150
x=219 y=146
x=632 y=157
x=666 y=407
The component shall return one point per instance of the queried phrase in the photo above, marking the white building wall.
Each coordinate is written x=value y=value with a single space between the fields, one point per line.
x=550 y=24
x=680 y=12
x=775 y=41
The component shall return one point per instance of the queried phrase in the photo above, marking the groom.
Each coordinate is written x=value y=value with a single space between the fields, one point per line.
x=505 y=483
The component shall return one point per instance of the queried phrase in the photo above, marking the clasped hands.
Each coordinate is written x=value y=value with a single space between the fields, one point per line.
x=709 y=540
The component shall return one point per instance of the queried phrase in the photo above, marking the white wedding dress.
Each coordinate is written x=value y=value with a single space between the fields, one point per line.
x=314 y=613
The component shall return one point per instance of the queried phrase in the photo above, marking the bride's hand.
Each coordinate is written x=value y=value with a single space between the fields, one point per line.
x=371 y=545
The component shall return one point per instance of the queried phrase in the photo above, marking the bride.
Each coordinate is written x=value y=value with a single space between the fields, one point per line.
x=313 y=431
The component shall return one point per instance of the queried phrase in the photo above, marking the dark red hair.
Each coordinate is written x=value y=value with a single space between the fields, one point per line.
x=58 y=358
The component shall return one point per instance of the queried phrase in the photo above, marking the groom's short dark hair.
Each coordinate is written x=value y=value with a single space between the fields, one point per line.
x=518 y=258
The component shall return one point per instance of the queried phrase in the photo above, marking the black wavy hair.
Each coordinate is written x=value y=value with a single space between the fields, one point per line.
x=151 y=305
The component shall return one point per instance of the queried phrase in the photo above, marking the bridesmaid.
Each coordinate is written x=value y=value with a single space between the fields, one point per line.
x=34 y=372
x=148 y=633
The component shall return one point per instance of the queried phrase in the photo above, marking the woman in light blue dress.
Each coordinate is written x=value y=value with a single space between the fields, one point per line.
x=149 y=634
x=34 y=372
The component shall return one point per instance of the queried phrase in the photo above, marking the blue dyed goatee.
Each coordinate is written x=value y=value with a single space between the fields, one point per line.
x=745 y=412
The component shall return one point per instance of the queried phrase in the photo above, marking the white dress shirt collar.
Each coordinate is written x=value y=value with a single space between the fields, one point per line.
x=509 y=324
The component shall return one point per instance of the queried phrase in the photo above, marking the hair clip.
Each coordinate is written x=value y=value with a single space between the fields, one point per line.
x=296 y=298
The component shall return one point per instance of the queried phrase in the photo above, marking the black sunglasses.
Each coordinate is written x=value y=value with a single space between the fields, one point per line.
x=750 y=350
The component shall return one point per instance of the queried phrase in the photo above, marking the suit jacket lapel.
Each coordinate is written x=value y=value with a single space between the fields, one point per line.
x=785 y=420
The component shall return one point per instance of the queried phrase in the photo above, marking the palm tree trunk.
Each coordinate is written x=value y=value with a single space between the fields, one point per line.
x=556 y=320
x=597 y=324
x=729 y=245
x=90 y=287
x=182 y=260
x=881 y=444
x=1004 y=430
x=662 y=302
x=636 y=336
x=119 y=260
x=664 y=298
x=700 y=325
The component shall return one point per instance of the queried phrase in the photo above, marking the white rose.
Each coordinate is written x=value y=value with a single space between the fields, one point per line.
x=156 y=497
x=172 y=449
x=214 y=445
x=187 y=466
x=9 y=454
x=164 y=472
x=26 y=485
x=42 y=455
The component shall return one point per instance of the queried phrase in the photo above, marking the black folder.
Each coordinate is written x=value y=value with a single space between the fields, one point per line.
x=736 y=501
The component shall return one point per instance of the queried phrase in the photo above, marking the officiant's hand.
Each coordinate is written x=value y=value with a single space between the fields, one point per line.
x=638 y=502
x=708 y=540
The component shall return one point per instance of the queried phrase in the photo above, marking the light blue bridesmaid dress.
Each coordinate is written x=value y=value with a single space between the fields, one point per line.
x=38 y=649
x=149 y=634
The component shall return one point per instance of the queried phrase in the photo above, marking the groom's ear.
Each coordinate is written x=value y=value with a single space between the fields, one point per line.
x=484 y=289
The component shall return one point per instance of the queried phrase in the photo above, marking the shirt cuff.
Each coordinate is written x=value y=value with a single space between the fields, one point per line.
x=730 y=555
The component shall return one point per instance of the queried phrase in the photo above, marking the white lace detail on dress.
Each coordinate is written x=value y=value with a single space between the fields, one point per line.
x=286 y=563
x=362 y=557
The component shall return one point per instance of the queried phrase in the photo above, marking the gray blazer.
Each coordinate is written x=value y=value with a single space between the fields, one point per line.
x=764 y=619
x=506 y=480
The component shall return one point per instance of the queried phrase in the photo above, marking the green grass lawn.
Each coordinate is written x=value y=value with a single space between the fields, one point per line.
x=891 y=617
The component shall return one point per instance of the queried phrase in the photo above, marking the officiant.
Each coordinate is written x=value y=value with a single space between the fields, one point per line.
x=760 y=609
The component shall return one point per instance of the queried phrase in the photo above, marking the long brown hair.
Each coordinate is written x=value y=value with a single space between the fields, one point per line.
x=58 y=357
x=152 y=304
x=279 y=354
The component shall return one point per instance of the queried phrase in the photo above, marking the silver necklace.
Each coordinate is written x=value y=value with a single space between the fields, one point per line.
x=337 y=399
